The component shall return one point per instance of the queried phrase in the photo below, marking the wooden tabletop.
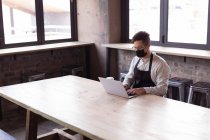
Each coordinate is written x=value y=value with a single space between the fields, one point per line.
x=83 y=106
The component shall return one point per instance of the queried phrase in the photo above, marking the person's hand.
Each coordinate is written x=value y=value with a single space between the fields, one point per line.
x=138 y=91
x=126 y=87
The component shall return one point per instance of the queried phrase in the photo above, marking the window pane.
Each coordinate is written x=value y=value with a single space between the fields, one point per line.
x=19 y=21
x=144 y=15
x=57 y=19
x=188 y=21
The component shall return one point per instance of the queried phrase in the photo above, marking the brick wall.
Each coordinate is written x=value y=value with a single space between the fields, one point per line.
x=192 y=68
x=50 y=62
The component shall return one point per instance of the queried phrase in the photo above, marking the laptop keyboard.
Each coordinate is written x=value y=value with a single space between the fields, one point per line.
x=130 y=94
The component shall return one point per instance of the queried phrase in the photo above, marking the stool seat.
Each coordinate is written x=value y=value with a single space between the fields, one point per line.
x=73 y=70
x=200 y=88
x=32 y=76
x=178 y=81
x=202 y=85
x=5 y=136
x=181 y=84
x=70 y=67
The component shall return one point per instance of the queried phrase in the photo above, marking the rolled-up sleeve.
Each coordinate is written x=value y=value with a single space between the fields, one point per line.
x=129 y=78
x=162 y=73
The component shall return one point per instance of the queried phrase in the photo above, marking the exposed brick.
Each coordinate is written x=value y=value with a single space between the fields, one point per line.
x=50 y=62
x=193 y=68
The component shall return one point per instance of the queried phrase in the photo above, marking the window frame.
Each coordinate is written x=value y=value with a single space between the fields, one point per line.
x=39 y=13
x=163 y=28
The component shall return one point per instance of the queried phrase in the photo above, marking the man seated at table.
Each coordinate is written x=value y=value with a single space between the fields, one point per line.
x=148 y=72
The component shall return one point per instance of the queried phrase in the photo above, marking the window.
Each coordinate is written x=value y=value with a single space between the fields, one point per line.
x=176 y=23
x=144 y=15
x=57 y=19
x=24 y=22
x=190 y=18
x=19 y=21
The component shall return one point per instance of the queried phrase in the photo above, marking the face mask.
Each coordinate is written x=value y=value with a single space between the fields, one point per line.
x=141 y=53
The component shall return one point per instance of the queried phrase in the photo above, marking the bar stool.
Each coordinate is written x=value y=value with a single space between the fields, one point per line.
x=5 y=136
x=73 y=70
x=200 y=88
x=29 y=77
x=181 y=84
x=32 y=76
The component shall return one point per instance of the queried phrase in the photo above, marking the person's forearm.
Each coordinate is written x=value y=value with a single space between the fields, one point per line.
x=160 y=91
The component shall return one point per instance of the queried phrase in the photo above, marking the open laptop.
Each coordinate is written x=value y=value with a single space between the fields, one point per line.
x=114 y=87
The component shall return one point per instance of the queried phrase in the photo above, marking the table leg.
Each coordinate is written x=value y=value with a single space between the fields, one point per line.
x=31 y=125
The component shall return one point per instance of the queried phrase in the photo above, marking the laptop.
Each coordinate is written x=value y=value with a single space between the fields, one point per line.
x=114 y=87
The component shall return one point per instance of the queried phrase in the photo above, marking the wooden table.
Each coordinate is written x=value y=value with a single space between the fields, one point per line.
x=82 y=105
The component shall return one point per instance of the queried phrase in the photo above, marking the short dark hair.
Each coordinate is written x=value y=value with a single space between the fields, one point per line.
x=141 y=36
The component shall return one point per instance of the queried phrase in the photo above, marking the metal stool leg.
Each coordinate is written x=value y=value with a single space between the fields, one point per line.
x=190 y=95
x=181 y=93
x=170 y=92
x=208 y=100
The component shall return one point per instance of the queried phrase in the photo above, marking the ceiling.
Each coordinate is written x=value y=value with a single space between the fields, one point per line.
x=29 y=5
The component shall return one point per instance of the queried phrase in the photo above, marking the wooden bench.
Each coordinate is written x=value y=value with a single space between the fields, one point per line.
x=5 y=136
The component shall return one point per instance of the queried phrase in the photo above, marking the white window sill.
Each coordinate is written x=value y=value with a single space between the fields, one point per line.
x=20 y=50
x=204 y=54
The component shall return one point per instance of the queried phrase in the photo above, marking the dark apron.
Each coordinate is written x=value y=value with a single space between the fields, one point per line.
x=143 y=78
